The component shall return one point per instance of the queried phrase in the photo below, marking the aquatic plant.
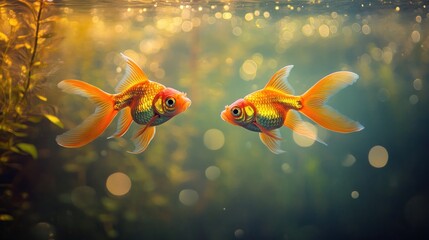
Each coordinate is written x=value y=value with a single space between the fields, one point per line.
x=27 y=42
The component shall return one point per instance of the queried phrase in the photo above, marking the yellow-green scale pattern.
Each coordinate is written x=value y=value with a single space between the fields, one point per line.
x=139 y=98
x=271 y=107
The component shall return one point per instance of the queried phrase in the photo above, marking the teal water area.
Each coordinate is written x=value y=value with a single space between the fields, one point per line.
x=203 y=178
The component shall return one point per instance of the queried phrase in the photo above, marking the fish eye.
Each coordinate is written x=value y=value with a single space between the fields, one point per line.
x=236 y=111
x=170 y=102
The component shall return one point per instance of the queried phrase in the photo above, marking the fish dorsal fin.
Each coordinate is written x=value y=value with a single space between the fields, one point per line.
x=133 y=75
x=278 y=81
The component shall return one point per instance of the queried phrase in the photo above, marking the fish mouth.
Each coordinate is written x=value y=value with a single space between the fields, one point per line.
x=224 y=115
x=227 y=117
x=186 y=101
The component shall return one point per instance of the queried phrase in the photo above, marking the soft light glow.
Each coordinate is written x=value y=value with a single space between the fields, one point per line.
x=305 y=141
x=237 y=31
x=44 y=230
x=307 y=30
x=266 y=14
x=349 y=161
x=239 y=233
x=415 y=36
x=355 y=194
x=376 y=53
x=418 y=19
x=188 y=197
x=324 y=31
x=248 y=16
x=366 y=29
x=378 y=156
x=248 y=70
x=214 y=139
x=187 y=26
x=387 y=55
x=118 y=184
x=119 y=28
x=212 y=173
x=414 y=99
x=286 y=168
x=227 y=15
x=356 y=27
x=418 y=84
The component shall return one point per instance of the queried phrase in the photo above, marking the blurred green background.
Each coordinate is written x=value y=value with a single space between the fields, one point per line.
x=202 y=178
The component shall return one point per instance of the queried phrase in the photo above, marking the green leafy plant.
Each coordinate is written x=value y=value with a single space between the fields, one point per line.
x=27 y=43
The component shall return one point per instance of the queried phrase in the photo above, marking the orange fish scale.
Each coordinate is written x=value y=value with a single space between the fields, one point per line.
x=271 y=107
x=139 y=97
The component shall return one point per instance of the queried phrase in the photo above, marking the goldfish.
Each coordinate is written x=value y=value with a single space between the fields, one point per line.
x=136 y=99
x=268 y=109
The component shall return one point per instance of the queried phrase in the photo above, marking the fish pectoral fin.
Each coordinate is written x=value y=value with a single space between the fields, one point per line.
x=133 y=75
x=124 y=123
x=273 y=133
x=278 y=81
x=142 y=138
x=271 y=139
x=273 y=143
x=295 y=122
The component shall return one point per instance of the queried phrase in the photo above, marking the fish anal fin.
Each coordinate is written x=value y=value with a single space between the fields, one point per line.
x=273 y=143
x=279 y=82
x=124 y=123
x=296 y=124
x=142 y=139
x=133 y=75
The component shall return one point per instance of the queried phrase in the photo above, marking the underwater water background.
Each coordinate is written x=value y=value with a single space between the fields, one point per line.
x=202 y=178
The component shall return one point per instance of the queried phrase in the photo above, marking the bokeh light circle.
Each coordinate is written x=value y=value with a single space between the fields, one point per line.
x=286 y=168
x=305 y=141
x=188 y=197
x=418 y=84
x=239 y=233
x=118 y=184
x=378 y=156
x=349 y=160
x=214 y=139
x=212 y=173
x=248 y=70
x=44 y=230
x=324 y=31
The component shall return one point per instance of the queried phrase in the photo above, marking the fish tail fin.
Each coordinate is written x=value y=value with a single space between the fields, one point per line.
x=96 y=123
x=314 y=103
